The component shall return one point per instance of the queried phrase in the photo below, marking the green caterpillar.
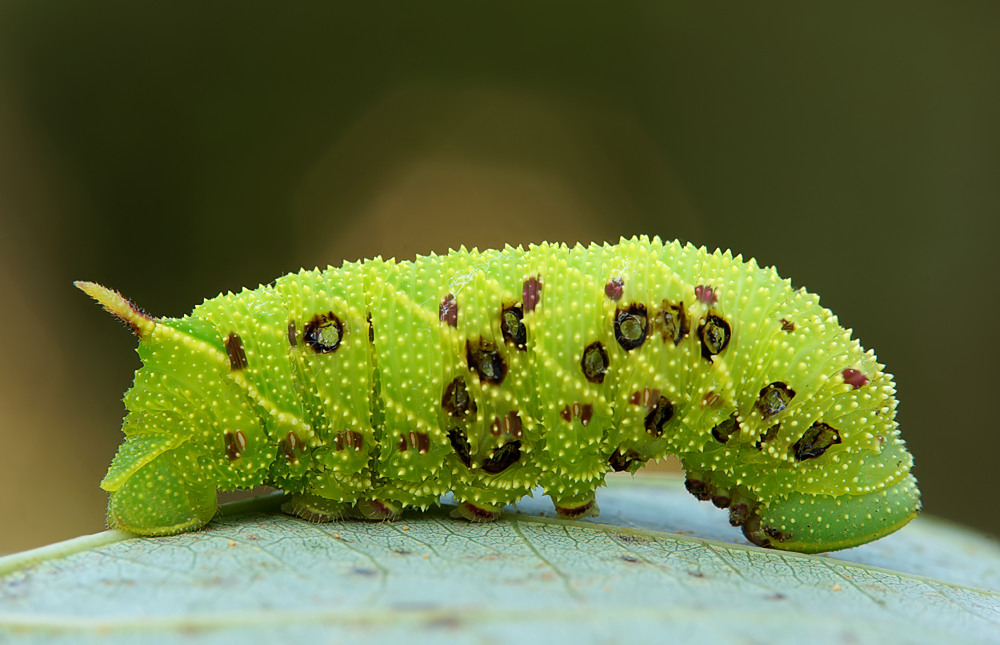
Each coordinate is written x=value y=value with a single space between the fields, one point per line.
x=381 y=385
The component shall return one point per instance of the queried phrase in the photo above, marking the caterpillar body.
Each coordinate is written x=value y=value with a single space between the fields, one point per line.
x=381 y=385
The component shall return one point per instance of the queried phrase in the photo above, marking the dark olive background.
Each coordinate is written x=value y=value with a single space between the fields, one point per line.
x=174 y=152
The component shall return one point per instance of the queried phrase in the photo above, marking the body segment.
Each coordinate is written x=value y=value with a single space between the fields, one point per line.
x=382 y=385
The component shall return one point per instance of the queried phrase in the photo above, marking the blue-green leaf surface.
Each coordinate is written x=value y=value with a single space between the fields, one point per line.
x=255 y=575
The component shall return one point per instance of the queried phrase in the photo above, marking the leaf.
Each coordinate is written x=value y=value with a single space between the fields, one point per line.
x=254 y=575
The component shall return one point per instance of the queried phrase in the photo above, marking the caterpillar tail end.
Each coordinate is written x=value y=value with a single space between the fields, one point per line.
x=120 y=307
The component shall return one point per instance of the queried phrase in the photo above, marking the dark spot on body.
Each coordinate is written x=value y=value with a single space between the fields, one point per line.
x=502 y=458
x=236 y=444
x=630 y=558
x=237 y=355
x=586 y=414
x=456 y=400
x=614 y=288
x=448 y=311
x=659 y=417
x=774 y=398
x=631 y=325
x=566 y=414
x=486 y=361
x=787 y=325
x=512 y=327
x=727 y=428
x=288 y=446
x=776 y=534
x=477 y=513
x=291 y=334
x=418 y=440
x=620 y=461
x=706 y=294
x=594 y=362
x=371 y=328
x=714 y=334
x=349 y=439
x=854 y=378
x=721 y=501
x=575 y=512
x=673 y=322
x=323 y=333
x=698 y=488
x=739 y=514
x=531 y=294
x=512 y=424
x=365 y=573
x=768 y=437
x=460 y=444
x=815 y=441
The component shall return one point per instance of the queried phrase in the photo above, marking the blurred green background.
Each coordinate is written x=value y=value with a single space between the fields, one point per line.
x=174 y=151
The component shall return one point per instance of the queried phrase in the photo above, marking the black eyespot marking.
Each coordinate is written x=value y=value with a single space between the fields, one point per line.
x=448 y=311
x=502 y=458
x=323 y=333
x=614 y=288
x=531 y=294
x=371 y=329
x=291 y=333
x=594 y=362
x=726 y=429
x=237 y=355
x=486 y=361
x=513 y=329
x=659 y=417
x=768 y=436
x=714 y=334
x=816 y=440
x=787 y=325
x=456 y=400
x=673 y=322
x=774 y=398
x=460 y=444
x=631 y=325
x=236 y=444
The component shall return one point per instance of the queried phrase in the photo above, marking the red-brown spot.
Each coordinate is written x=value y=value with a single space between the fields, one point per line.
x=419 y=440
x=512 y=424
x=586 y=414
x=854 y=378
x=531 y=293
x=349 y=439
x=706 y=294
x=236 y=443
x=566 y=414
x=237 y=355
x=448 y=311
x=288 y=446
x=787 y=325
x=291 y=333
x=614 y=288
